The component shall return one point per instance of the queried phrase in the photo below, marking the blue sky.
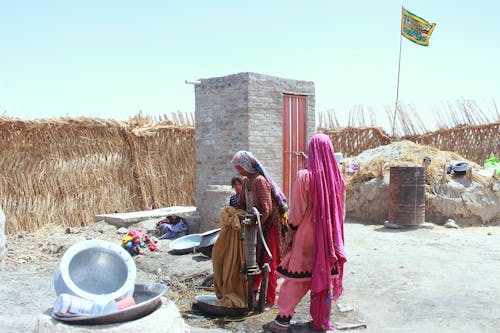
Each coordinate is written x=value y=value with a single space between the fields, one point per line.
x=110 y=59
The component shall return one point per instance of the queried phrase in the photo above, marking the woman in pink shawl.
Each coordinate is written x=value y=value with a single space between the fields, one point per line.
x=316 y=221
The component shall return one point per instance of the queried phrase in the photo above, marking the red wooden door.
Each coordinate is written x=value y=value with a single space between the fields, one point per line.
x=294 y=139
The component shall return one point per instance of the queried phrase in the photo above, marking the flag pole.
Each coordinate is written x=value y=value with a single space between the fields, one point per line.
x=397 y=88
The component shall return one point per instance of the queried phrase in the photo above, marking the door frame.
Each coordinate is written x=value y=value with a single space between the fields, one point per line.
x=294 y=139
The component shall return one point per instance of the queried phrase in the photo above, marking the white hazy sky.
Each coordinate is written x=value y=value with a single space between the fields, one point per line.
x=110 y=59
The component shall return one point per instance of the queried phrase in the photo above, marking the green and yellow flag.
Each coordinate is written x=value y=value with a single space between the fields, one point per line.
x=416 y=28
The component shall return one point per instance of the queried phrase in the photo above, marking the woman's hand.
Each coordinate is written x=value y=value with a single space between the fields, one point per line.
x=289 y=236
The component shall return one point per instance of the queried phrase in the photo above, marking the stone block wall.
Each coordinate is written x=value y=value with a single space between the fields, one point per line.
x=222 y=127
x=240 y=112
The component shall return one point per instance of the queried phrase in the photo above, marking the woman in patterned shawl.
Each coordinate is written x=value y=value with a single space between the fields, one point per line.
x=264 y=194
x=316 y=259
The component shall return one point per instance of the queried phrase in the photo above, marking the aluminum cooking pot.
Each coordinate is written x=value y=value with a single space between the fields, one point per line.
x=96 y=270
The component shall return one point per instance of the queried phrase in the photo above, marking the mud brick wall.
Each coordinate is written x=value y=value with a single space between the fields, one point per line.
x=241 y=112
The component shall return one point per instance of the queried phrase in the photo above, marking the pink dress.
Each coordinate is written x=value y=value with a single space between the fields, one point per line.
x=297 y=264
x=317 y=258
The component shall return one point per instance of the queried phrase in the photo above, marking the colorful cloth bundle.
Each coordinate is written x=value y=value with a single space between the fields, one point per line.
x=136 y=242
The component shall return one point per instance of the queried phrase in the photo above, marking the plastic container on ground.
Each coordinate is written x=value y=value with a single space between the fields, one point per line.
x=70 y=305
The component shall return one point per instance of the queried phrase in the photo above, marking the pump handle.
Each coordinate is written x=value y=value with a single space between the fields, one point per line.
x=256 y=212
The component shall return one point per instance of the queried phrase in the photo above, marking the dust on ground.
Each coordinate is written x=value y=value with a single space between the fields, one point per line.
x=410 y=280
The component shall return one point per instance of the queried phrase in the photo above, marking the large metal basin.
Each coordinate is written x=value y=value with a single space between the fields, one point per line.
x=96 y=270
x=185 y=244
x=195 y=242
x=147 y=297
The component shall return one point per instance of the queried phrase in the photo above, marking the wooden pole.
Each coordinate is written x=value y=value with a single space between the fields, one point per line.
x=397 y=87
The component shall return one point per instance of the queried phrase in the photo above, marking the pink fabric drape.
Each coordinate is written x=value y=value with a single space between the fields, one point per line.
x=327 y=195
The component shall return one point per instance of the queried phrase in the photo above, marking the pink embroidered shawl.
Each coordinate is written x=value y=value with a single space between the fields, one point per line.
x=327 y=196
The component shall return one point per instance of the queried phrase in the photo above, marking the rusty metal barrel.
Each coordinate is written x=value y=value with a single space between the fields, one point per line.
x=407 y=196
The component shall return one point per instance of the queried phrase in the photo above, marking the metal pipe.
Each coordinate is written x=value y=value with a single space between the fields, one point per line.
x=249 y=243
x=256 y=212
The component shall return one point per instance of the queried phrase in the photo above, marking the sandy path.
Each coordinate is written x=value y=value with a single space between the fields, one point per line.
x=439 y=280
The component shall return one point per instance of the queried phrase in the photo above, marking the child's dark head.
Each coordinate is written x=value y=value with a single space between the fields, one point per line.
x=235 y=180
x=236 y=183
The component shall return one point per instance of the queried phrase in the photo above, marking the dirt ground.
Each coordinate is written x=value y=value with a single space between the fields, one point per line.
x=417 y=280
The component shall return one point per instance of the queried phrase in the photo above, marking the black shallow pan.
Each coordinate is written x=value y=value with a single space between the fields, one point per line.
x=147 y=298
x=206 y=304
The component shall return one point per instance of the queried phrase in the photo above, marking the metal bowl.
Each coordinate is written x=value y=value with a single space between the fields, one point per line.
x=147 y=298
x=208 y=238
x=96 y=270
x=206 y=250
x=185 y=244
x=195 y=242
x=207 y=242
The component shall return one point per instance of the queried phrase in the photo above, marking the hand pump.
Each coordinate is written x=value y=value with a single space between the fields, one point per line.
x=251 y=223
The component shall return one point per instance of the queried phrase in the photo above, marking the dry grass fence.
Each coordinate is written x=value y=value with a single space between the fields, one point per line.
x=474 y=143
x=352 y=141
x=66 y=171
x=463 y=128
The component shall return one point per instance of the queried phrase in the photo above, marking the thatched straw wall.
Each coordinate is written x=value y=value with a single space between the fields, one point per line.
x=165 y=164
x=66 y=171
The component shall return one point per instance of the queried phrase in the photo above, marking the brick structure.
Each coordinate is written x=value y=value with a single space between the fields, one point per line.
x=242 y=111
